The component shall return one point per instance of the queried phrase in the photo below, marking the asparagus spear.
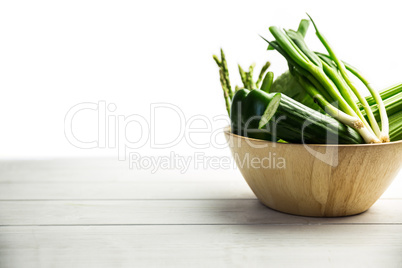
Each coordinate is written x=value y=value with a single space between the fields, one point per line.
x=224 y=78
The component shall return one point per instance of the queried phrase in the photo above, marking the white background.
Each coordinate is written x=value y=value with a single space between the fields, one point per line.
x=56 y=54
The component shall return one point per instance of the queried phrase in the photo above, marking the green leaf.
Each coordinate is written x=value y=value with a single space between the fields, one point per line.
x=303 y=27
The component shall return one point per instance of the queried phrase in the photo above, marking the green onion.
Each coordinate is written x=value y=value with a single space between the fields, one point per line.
x=293 y=52
x=382 y=135
x=344 y=88
x=326 y=81
x=330 y=109
x=384 y=94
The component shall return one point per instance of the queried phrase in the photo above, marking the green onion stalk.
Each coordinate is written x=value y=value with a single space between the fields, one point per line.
x=383 y=135
x=375 y=98
x=327 y=82
x=329 y=108
x=384 y=93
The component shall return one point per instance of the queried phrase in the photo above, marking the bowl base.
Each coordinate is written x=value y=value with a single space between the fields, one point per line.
x=311 y=216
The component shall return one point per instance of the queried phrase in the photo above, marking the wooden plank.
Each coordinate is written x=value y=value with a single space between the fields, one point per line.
x=180 y=188
x=112 y=179
x=124 y=212
x=136 y=189
x=202 y=246
x=100 y=170
x=105 y=178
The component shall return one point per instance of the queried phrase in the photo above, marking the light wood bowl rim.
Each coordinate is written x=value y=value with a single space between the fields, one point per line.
x=228 y=132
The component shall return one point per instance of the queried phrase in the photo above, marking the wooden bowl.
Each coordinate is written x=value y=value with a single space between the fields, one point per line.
x=318 y=180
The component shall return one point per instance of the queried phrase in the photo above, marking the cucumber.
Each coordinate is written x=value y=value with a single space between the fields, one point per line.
x=294 y=122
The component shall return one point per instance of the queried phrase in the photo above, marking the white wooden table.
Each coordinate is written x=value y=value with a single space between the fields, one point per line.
x=98 y=213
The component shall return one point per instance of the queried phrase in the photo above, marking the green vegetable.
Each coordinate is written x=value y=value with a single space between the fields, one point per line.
x=377 y=99
x=383 y=135
x=300 y=64
x=392 y=105
x=267 y=83
x=224 y=78
x=257 y=114
x=235 y=114
x=262 y=72
x=328 y=81
x=395 y=126
x=247 y=77
x=386 y=93
x=329 y=108
x=287 y=84
x=294 y=122
x=247 y=109
x=392 y=96
x=292 y=108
